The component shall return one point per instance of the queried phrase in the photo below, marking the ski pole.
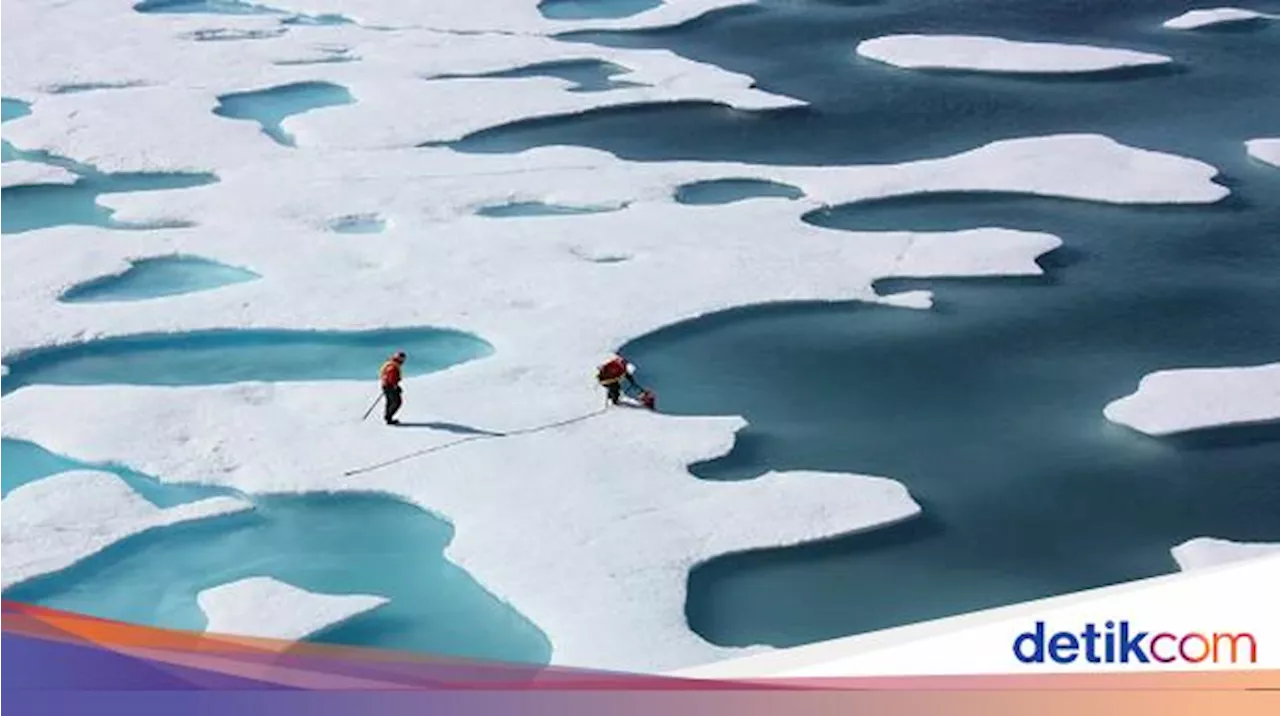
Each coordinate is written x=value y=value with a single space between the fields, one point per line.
x=371 y=407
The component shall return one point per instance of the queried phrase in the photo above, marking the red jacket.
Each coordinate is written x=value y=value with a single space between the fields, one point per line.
x=390 y=374
x=612 y=372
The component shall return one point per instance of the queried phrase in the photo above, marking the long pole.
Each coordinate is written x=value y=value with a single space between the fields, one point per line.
x=371 y=407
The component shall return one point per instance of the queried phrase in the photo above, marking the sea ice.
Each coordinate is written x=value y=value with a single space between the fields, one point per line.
x=59 y=520
x=24 y=173
x=586 y=493
x=1172 y=401
x=1005 y=253
x=585 y=521
x=1265 y=150
x=269 y=608
x=918 y=299
x=607 y=518
x=1204 y=552
x=1195 y=19
x=994 y=54
x=522 y=16
x=395 y=106
x=434 y=186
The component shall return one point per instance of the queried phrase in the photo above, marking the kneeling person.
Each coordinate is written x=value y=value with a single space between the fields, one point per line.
x=614 y=373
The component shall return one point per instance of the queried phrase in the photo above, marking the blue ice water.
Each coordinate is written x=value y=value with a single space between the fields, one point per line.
x=269 y=107
x=41 y=156
x=232 y=356
x=358 y=224
x=327 y=543
x=538 y=208
x=13 y=108
x=727 y=191
x=624 y=128
x=156 y=277
x=235 y=7
x=587 y=75
x=27 y=208
x=331 y=543
x=202 y=7
x=876 y=113
x=989 y=408
x=25 y=462
x=594 y=9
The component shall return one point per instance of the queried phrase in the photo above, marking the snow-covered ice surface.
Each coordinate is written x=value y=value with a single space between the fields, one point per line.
x=398 y=105
x=590 y=535
x=25 y=173
x=1173 y=401
x=1195 y=19
x=589 y=525
x=994 y=54
x=1265 y=150
x=618 y=517
x=57 y=521
x=269 y=608
x=1204 y=552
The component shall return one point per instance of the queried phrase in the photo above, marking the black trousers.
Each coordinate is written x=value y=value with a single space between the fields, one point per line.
x=394 y=399
x=615 y=389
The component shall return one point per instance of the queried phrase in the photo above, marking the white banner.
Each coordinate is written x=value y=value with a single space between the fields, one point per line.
x=1225 y=617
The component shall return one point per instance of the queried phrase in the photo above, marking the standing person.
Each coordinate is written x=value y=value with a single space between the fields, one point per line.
x=390 y=375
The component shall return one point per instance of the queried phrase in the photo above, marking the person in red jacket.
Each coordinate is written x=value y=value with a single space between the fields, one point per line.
x=389 y=375
x=614 y=373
